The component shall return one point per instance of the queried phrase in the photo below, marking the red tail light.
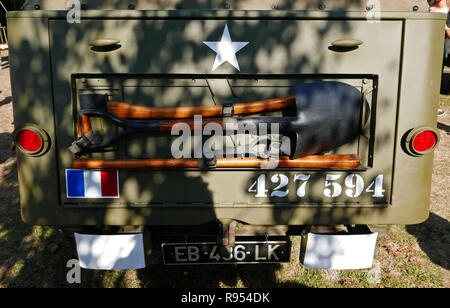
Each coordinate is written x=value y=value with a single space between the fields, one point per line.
x=424 y=141
x=421 y=140
x=31 y=140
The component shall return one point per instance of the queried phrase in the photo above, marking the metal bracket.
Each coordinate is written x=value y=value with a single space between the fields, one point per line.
x=83 y=142
x=227 y=239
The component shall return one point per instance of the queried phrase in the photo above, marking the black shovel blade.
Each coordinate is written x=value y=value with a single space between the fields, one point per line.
x=328 y=116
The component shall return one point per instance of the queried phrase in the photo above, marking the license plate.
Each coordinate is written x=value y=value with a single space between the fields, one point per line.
x=242 y=252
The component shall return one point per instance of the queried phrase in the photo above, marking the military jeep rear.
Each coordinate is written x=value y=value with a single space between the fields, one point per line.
x=195 y=132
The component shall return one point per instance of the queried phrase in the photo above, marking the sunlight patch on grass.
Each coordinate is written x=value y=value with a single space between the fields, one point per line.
x=444 y=100
x=15 y=270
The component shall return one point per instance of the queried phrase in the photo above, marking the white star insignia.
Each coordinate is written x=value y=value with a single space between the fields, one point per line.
x=226 y=50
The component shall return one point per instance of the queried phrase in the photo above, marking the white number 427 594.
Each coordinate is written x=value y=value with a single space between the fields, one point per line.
x=354 y=186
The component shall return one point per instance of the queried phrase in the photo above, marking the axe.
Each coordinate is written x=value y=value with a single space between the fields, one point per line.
x=327 y=115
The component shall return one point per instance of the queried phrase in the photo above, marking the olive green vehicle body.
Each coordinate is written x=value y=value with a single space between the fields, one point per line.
x=162 y=61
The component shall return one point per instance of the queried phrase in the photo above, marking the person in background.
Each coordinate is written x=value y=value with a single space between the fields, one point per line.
x=441 y=6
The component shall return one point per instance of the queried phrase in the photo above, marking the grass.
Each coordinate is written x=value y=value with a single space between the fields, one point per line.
x=444 y=100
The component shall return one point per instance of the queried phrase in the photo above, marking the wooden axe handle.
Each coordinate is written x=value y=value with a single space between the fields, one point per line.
x=84 y=127
x=129 y=111
x=346 y=161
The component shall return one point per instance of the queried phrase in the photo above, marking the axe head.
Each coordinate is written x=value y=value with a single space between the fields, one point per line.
x=93 y=101
x=328 y=115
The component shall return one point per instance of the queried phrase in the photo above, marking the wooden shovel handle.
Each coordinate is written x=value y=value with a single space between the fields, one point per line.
x=129 y=111
x=346 y=161
x=167 y=125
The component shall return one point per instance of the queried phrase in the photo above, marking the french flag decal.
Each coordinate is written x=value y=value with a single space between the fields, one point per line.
x=92 y=184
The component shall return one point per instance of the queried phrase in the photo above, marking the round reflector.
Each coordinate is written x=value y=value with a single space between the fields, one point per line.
x=29 y=140
x=424 y=141
x=420 y=140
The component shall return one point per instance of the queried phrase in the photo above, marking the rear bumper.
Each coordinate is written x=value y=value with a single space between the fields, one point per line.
x=350 y=249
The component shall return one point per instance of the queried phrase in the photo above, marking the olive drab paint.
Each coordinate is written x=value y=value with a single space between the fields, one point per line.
x=159 y=56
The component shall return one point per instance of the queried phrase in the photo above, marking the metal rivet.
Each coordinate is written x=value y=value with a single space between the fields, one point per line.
x=37 y=7
x=131 y=6
x=226 y=5
x=369 y=7
x=322 y=6
x=415 y=8
x=274 y=6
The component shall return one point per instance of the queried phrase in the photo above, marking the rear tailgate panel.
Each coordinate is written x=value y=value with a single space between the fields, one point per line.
x=167 y=48
x=154 y=47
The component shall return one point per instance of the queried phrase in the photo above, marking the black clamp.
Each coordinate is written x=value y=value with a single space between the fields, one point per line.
x=210 y=162
x=228 y=110
x=83 y=142
x=207 y=162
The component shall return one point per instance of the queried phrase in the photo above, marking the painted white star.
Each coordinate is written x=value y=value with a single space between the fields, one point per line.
x=226 y=50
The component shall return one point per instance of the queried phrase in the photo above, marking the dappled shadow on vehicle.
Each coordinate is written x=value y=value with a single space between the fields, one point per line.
x=156 y=189
x=38 y=251
x=434 y=240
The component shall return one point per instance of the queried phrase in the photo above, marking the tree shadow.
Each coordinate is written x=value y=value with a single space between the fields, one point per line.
x=158 y=275
x=5 y=144
x=434 y=239
x=444 y=127
x=445 y=83
x=6 y=101
x=215 y=276
x=32 y=257
x=4 y=62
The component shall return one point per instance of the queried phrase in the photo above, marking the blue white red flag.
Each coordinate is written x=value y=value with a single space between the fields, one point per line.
x=92 y=183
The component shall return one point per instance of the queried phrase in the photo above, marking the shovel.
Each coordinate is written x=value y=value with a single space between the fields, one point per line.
x=327 y=115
